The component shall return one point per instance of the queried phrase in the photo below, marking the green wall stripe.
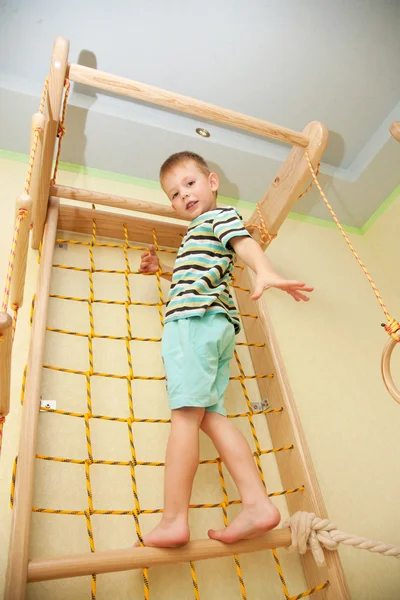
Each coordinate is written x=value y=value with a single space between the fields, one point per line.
x=323 y=223
x=148 y=183
x=379 y=211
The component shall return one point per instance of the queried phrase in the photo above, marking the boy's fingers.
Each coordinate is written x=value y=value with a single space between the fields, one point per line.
x=152 y=250
x=257 y=293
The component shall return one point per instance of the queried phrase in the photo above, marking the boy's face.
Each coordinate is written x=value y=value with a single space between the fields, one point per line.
x=191 y=191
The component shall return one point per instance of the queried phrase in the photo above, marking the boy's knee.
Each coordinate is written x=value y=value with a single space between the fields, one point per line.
x=209 y=419
x=188 y=414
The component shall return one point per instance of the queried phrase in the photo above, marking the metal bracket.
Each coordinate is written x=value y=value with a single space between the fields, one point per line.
x=48 y=404
x=258 y=407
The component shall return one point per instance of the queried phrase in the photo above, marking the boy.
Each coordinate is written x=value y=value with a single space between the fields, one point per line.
x=197 y=346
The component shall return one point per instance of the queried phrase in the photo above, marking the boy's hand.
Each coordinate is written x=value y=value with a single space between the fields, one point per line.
x=293 y=288
x=149 y=261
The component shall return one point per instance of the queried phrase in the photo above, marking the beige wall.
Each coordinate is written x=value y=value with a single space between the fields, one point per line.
x=331 y=349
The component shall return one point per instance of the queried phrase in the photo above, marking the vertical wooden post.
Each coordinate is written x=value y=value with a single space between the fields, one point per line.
x=21 y=254
x=58 y=70
x=17 y=571
x=290 y=181
x=296 y=467
x=38 y=121
x=5 y=362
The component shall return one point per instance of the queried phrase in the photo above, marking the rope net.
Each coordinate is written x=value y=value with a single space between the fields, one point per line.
x=124 y=376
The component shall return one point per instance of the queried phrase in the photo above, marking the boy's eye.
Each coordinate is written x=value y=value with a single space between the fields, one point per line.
x=191 y=183
x=174 y=195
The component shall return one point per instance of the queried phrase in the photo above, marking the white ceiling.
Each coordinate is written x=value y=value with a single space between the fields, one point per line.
x=284 y=61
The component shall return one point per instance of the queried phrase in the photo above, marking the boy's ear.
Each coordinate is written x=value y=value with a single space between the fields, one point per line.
x=213 y=181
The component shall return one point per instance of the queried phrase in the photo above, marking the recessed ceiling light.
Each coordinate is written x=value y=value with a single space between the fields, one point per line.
x=203 y=132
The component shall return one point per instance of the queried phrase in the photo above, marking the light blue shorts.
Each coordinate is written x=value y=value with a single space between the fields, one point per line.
x=196 y=353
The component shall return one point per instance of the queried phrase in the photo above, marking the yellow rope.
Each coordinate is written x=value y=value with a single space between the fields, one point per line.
x=133 y=463
x=61 y=130
x=392 y=325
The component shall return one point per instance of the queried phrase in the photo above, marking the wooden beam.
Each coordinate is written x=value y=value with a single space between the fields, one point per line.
x=110 y=225
x=17 y=572
x=39 y=202
x=5 y=362
x=290 y=182
x=71 y=193
x=21 y=253
x=177 y=102
x=395 y=130
x=111 y=561
x=58 y=69
x=295 y=467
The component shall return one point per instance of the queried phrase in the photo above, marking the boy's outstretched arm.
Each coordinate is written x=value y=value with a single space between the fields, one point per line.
x=253 y=256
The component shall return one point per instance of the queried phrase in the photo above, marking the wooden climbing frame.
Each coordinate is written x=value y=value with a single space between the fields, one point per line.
x=49 y=214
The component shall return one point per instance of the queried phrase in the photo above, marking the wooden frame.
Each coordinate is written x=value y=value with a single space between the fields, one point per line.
x=5 y=362
x=17 y=572
x=58 y=70
x=295 y=466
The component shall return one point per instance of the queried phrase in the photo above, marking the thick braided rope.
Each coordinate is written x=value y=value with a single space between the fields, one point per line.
x=312 y=532
x=392 y=326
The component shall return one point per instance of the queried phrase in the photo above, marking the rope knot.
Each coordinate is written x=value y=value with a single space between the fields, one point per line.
x=392 y=326
x=310 y=532
x=61 y=130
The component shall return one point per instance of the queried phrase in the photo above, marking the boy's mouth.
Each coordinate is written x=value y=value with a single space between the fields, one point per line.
x=191 y=204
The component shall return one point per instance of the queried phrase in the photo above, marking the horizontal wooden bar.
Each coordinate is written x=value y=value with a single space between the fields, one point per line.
x=149 y=93
x=111 y=561
x=71 y=193
x=110 y=225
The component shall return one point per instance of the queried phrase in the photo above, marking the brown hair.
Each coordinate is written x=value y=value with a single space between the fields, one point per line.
x=182 y=157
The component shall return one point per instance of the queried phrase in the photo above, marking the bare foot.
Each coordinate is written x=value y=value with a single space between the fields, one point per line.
x=168 y=534
x=252 y=521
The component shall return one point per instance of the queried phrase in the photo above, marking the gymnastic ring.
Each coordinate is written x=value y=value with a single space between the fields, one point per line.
x=385 y=368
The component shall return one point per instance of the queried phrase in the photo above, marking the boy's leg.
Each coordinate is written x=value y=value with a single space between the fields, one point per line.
x=258 y=513
x=181 y=461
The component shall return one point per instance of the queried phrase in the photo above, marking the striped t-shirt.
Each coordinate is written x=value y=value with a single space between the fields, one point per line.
x=203 y=267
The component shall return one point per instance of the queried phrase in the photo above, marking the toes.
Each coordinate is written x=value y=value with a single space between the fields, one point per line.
x=219 y=535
